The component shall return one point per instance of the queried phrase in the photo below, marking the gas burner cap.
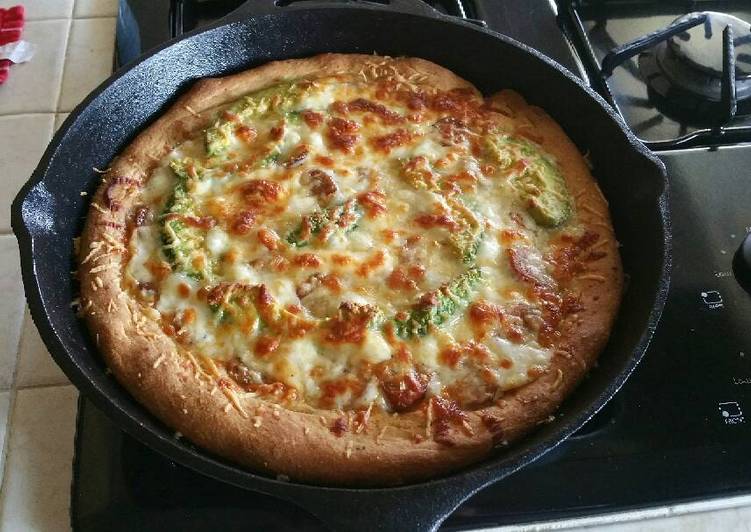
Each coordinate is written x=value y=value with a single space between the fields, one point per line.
x=701 y=46
x=684 y=73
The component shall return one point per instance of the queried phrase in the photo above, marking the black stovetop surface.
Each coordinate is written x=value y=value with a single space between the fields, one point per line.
x=676 y=432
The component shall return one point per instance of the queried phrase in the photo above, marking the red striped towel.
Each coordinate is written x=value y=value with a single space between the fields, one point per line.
x=11 y=25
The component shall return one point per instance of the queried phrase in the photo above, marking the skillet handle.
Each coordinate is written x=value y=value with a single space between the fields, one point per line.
x=417 y=509
x=255 y=8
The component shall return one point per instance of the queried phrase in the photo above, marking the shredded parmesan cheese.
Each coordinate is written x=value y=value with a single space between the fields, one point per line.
x=592 y=277
x=381 y=434
x=587 y=208
x=429 y=418
x=103 y=267
x=99 y=208
x=234 y=400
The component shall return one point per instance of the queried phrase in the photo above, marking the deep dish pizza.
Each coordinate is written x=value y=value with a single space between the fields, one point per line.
x=349 y=269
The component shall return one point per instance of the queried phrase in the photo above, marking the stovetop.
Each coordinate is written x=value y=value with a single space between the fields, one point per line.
x=676 y=432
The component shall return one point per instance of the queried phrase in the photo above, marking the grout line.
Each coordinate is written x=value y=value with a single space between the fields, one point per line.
x=71 y=17
x=9 y=424
x=27 y=113
x=40 y=386
x=14 y=376
x=65 y=61
x=13 y=391
x=58 y=107
x=5 y=451
x=95 y=17
x=43 y=18
x=50 y=19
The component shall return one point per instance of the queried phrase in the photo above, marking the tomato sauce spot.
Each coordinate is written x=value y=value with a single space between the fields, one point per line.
x=159 y=269
x=361 y=105
x=386 y=143
x=377 y=260
x=277 y=132
x=312 y=119
x=428 y=221
x=246 y=133
x=307 y=260
x=483 y=312
x=296 y=158
x=242 y=223
x=341 y=260
x=445 y=411
x=342 y=134
x=328 y=162
x=398 y=279
x=321 y=183
x=268 y=238
x=203 y=222
x=350 y=324
x=339 y=427
x=184 y=290
x=259 y=192
x=265 y=345
x=450 y=356
x=332 y=282
x=240 y=373
x=374 y=202
x=403 y=391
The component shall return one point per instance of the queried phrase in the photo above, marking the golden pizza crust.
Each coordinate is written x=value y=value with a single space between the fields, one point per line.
x=184 y=393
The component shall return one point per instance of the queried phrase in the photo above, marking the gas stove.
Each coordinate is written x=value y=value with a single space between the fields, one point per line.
x=663 y=67
x=678 y=431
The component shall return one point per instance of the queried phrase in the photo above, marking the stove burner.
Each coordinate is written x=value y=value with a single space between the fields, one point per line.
x=700 y=46
x=684 y=73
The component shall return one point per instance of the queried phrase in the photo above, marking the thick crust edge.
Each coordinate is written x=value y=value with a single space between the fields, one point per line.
x=183 y=392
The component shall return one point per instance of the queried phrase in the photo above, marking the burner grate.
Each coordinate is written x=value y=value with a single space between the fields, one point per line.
x=689 y=70
x=673 y=76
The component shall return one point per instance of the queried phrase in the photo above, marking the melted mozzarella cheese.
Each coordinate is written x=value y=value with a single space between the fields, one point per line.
x=384 y=259
x=217 y=241
x=524 y=357
x=143 y=246
x=321 y=99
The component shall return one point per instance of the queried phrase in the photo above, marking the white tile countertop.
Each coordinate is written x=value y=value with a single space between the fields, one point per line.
x=75 y=44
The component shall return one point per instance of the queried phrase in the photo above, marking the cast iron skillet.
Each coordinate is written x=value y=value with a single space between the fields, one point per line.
x=49 y=212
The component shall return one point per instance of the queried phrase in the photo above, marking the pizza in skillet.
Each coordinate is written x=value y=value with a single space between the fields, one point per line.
x=349 y=269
